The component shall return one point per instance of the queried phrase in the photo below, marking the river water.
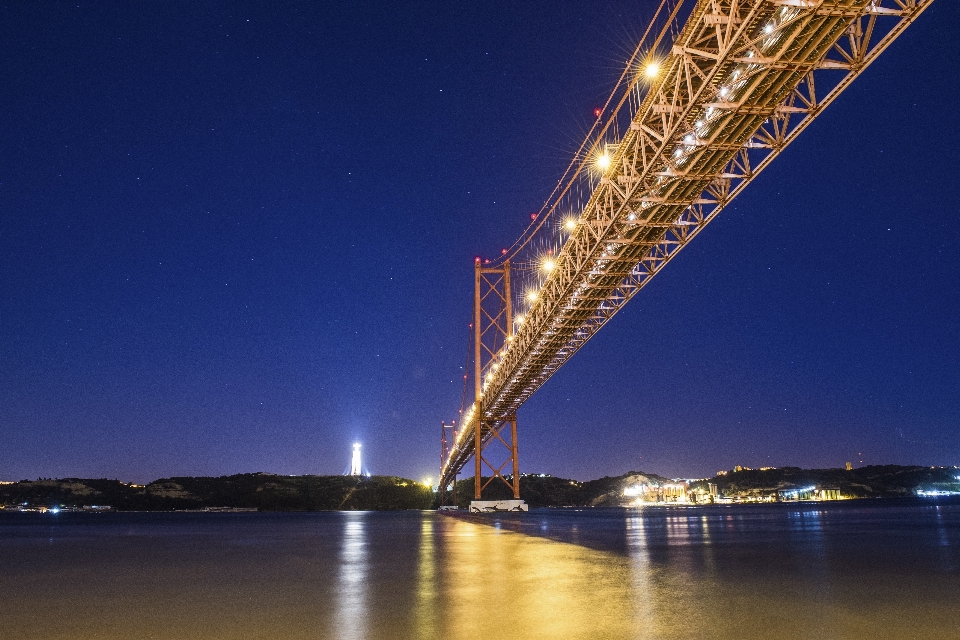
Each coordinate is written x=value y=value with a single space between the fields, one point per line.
x=858 y=569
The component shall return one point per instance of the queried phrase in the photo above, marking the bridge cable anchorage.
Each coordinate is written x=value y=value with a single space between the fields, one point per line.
x=742 y=79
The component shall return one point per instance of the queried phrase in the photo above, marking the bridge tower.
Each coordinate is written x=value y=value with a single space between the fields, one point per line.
x=446 y=445
x=492 y=333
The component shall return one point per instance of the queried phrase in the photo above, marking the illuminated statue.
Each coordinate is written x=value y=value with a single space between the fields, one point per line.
x=355 y=461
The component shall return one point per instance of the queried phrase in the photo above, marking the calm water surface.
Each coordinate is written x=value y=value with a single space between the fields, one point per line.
x=832 y=570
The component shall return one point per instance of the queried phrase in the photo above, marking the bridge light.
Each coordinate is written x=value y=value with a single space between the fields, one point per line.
x=548 y=265
x=570 y=224
x=603 y=162
x=652 y=70
x=769 y=28
x=532 y=296
x=519 y=320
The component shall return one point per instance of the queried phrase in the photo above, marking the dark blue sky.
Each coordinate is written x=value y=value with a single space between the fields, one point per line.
x=239 y=236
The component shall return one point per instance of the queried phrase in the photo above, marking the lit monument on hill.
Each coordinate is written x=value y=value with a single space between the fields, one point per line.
x=355 y=461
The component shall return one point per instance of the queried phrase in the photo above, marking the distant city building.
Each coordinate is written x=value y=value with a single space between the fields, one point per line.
x=849 y=466
x=355 y=461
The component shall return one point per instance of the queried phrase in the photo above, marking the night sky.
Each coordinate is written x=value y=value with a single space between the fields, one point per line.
x=239 y=236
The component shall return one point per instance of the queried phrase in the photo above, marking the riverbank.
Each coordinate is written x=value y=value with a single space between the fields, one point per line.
x=270 y=492
x=248 y=491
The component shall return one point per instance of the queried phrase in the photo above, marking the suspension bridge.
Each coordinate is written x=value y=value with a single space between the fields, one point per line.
x=713 y=93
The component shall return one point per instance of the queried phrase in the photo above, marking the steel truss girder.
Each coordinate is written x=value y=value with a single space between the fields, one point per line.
x=737 y=89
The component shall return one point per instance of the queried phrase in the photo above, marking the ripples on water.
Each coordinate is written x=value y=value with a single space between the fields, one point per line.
x=831 y=570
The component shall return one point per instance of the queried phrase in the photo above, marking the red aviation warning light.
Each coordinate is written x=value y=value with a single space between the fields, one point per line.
x=597 y=112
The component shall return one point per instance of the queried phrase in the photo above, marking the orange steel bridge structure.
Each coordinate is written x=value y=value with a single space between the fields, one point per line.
x=700 y=110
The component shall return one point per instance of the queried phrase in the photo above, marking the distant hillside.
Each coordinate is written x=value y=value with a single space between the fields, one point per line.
x=260 y=491
x=266 y=492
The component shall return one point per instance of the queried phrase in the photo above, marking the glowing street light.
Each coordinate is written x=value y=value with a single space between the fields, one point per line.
x=570 y=224
x=603 y=162
x=652 y=70
x=548 y=265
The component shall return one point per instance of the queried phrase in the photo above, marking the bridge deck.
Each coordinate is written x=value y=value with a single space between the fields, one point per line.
x=738 y=86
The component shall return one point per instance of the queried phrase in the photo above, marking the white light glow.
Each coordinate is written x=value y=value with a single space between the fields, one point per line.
x=355 y=461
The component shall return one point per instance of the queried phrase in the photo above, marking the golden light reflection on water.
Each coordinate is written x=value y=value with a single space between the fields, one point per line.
x=377 y=576
x=503 y=584
x=428 y=605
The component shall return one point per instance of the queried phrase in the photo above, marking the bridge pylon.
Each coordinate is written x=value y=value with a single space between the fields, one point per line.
x=492 y=332
x=446 y=445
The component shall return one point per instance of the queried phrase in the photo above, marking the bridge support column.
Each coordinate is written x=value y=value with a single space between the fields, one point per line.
x=446 y=445
x=486 y=434
x=492 y=332
x=515 y=457
x=478 y=466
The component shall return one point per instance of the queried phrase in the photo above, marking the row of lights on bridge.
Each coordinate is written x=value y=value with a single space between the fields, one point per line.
x=603 y=162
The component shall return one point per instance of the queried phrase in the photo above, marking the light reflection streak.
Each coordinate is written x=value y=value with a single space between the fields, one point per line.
x=428 y=605
x=946 y=557
x=812 y=562
x=641 y=578
x=707 y=544
x=498 y=583
x=352 y=578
